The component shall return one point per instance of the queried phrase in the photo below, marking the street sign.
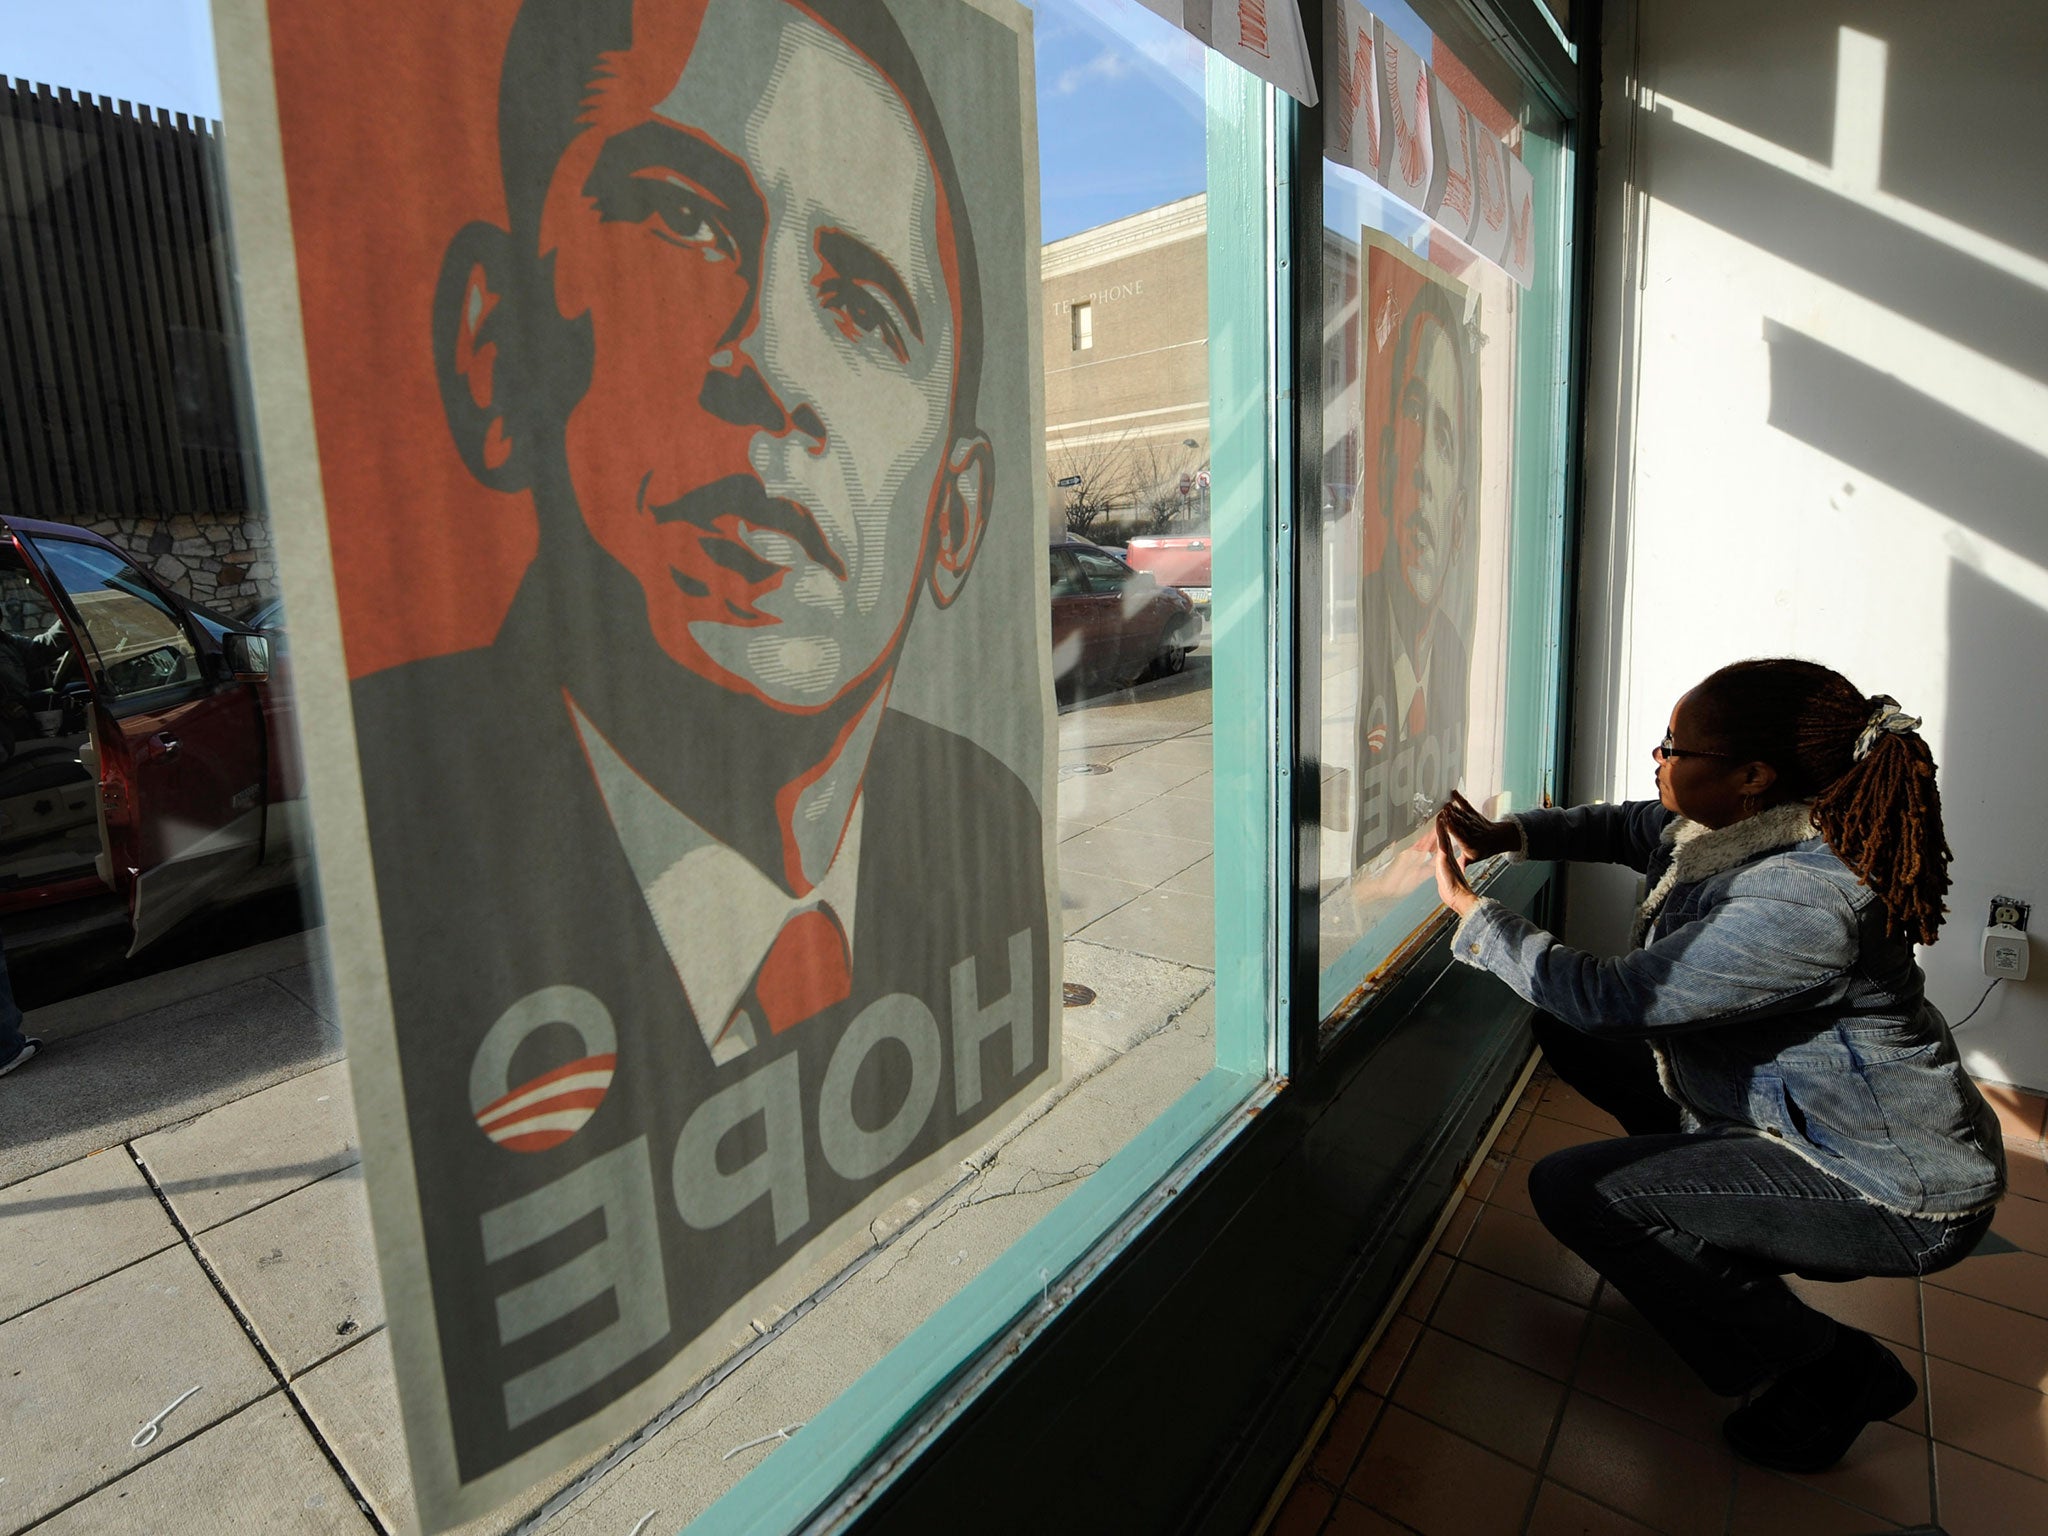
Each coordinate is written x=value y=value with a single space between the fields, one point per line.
x=1067 y=480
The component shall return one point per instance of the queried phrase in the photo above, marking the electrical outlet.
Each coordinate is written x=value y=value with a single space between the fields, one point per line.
x=2005 y=953
x=2009 y=912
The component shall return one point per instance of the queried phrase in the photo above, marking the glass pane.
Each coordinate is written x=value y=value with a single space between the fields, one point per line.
x=1020 y=1186
x=139 y=643
x=1440 y=356
x=1125 y=302
x=1125 y=284
x=1105 y=573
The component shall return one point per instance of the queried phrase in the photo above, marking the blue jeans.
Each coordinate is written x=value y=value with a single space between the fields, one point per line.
x=11 y=1037
x=1698 y=1230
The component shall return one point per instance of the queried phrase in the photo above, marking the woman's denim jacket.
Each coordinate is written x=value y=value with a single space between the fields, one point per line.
x=1776 y=1003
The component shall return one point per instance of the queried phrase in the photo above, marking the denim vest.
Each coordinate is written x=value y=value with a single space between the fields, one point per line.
x=1775 y=1001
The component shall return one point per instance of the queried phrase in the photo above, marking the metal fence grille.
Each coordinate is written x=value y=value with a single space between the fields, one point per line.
x=120 y=345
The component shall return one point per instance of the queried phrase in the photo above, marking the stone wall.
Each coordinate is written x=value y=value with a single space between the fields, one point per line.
x=225 y=564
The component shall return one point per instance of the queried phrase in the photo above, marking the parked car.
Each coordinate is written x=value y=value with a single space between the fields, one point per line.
x=148 y=760
x=1111 y=624
x=1179 y=560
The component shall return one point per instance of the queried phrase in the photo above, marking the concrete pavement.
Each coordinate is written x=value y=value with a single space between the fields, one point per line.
x=181 y=1206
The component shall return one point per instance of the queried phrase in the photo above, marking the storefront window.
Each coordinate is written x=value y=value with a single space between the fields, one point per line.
x=1441 y=458
x=1157 y=498
x=849 y=1081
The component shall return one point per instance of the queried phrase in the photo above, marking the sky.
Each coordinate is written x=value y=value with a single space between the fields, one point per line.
x=1119 y=90
x=1120 y=115
x=154 y=51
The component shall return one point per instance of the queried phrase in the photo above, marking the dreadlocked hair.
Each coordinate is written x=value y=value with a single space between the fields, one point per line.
x=1881 y=814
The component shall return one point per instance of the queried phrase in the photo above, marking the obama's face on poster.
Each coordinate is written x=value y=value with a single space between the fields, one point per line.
x=1429 y=490
x=750 y=224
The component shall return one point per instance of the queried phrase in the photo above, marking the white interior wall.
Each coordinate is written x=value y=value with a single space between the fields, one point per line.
x=1818 y=417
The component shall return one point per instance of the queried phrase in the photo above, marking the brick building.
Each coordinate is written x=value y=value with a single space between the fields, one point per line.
x=1126 y=315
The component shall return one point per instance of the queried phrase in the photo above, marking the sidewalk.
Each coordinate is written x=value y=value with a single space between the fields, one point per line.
x=121 y=1251
x=181 y=1205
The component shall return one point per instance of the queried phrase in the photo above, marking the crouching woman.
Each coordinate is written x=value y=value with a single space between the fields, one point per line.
x=1793 y=1102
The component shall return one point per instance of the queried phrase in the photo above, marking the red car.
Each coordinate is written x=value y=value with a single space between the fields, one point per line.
x=148 y=761
x=1111 y=624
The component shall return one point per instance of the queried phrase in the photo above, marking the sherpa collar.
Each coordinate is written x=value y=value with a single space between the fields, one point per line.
x=1701 y=852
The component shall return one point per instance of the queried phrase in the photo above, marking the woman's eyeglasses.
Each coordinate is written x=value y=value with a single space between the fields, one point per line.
x=1666 y=752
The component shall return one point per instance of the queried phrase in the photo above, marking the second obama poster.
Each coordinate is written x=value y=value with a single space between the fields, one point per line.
x=649 y=406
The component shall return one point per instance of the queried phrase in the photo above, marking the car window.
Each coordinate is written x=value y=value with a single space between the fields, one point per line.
x=1067 y=580
x=1104 y=574
x=141 y=644
x=216 y=625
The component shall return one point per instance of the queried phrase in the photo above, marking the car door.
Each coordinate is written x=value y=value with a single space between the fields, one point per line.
x=1128 y=624
x=178 y=746
x=287 y=825
x=50 y=840
x=1076 y=621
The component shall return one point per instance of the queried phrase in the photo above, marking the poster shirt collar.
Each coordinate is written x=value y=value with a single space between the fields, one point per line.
x=1408 y=682
x=717 y=913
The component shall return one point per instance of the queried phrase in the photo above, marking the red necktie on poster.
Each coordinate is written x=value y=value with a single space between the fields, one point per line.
x=806 y=971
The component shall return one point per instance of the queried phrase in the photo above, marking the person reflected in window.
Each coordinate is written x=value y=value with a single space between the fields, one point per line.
x=1793 y=1102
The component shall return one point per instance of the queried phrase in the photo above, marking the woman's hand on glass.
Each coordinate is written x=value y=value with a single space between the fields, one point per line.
x=1479 y=837
x=1452 y=888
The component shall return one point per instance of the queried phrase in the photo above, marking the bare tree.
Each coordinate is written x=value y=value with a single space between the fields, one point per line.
x=1161 y=470
x=1105 y=477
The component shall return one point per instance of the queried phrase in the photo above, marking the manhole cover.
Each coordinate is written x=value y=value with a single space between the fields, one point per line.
x=1075 y=770
x=1074 y=995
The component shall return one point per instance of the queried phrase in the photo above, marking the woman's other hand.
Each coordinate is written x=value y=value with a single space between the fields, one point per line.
x=1479 y=837
x=1451 y=886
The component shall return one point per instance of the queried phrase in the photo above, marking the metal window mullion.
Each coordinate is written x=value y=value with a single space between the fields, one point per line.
x=1299 y=455
x=1581 y=171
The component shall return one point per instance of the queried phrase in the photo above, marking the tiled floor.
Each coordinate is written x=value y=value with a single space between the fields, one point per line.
x=1515 y=1392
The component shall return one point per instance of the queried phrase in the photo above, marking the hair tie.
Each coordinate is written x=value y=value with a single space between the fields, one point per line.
x=1887 y=719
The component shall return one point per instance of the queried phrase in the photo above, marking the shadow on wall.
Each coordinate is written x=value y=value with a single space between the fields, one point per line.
x=1913 y=442
x=1996 y=313
x=1838 y=138
x=1886 y=149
